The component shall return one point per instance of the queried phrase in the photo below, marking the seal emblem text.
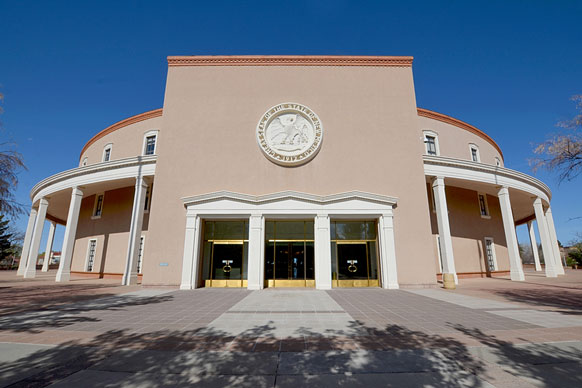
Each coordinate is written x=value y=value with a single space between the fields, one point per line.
x=289 y=134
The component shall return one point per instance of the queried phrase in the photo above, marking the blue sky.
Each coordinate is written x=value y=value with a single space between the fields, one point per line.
x=70 y=68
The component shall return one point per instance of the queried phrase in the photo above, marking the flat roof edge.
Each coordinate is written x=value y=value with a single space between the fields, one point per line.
x=290 y=60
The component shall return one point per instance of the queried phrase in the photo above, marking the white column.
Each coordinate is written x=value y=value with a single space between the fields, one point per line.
x=30 y=271
x=545 y=239
x=515 y=265
x=191 y=252
x=135 y=227
x=554 y=240
x=64 y=272
x=256 y=263
x=388 y=267
x=49 y=247
x=534 y=245
x=442 y=213
x=26 y=243
x=322 y=252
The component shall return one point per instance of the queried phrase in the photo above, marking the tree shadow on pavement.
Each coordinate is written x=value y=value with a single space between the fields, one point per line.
x=394 y=357
x=548 y=365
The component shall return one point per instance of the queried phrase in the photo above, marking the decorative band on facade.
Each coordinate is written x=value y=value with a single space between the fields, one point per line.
x=290 y=60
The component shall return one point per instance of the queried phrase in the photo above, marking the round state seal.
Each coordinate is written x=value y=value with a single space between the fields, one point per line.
x=289 y=134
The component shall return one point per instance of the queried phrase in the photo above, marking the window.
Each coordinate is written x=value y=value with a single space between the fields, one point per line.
x=107 y=152
x=149 y=142
x=431 y=143
x=490 y=254
x=140 y=254
x=98 y=206
x=91 y=255
x=483 y=208
x=150 y=145
x=497 y=162
x=84 y=163
x=474 y=153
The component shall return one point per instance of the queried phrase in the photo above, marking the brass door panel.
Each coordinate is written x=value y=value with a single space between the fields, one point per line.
x=225 y=283
x=355 y=283
x=290 y=283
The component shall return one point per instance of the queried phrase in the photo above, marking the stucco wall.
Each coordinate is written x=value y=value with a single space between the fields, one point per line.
x=111 y=231
x=371 y=143
x=127 y=141
x=469 y=229
x=454 y=141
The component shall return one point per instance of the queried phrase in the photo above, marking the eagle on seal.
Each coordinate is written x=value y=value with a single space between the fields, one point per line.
x=289 y=129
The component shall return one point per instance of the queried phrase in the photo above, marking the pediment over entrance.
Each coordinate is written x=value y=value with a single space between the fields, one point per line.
x=290 y=202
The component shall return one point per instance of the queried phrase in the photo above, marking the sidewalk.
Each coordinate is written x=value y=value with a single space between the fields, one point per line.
x=102 y=334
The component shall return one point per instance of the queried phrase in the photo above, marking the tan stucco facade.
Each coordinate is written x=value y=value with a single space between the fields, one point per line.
x=373 y=143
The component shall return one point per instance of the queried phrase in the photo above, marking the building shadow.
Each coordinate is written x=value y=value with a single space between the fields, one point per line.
x=58 y=316
x=46 y=297
x=564 y=301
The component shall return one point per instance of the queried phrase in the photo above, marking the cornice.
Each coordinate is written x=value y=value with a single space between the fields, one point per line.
x=289 y=60
x=120 y=124
x=458 y=123
x=93 y=168
x=285 y=195
x=482 y=167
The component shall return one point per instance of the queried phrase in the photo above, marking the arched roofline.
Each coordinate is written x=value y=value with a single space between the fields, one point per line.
x=460 y=124
x=120 y=124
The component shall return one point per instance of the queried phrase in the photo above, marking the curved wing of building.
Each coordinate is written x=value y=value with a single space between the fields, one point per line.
x=290 y=171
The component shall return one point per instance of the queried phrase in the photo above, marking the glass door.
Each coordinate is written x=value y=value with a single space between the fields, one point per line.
x=352 y=264
x=225 y=254
x=354 y=259
x=289 y=254
x=227 y=264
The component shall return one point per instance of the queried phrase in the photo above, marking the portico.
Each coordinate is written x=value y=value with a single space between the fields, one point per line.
x=315 y=214
x=528 y=195
x=61 y=196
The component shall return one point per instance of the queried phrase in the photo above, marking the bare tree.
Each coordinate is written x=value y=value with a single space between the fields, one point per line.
x=10 y=164
x=563 y=151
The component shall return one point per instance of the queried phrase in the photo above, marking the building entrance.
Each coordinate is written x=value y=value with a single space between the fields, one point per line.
x=225 y=254
x=353 y=251
x=289 y=254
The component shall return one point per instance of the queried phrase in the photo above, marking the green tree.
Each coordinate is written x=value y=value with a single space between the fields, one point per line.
x=562 y=152
x=5 y=239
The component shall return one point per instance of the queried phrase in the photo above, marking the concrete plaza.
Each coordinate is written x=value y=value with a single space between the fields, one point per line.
x=487 y=333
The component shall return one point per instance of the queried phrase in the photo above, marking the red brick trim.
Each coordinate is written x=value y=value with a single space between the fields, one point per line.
x=289 y=60
x=458 y=123
x=120 y=124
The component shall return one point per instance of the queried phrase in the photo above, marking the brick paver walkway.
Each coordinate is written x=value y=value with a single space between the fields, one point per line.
x=96 y=333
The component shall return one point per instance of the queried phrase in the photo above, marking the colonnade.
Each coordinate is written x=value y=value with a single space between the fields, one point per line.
x=34 y=230
x=544 y=220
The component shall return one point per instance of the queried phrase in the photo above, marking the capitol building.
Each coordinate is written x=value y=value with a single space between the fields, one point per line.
x=290 y=171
